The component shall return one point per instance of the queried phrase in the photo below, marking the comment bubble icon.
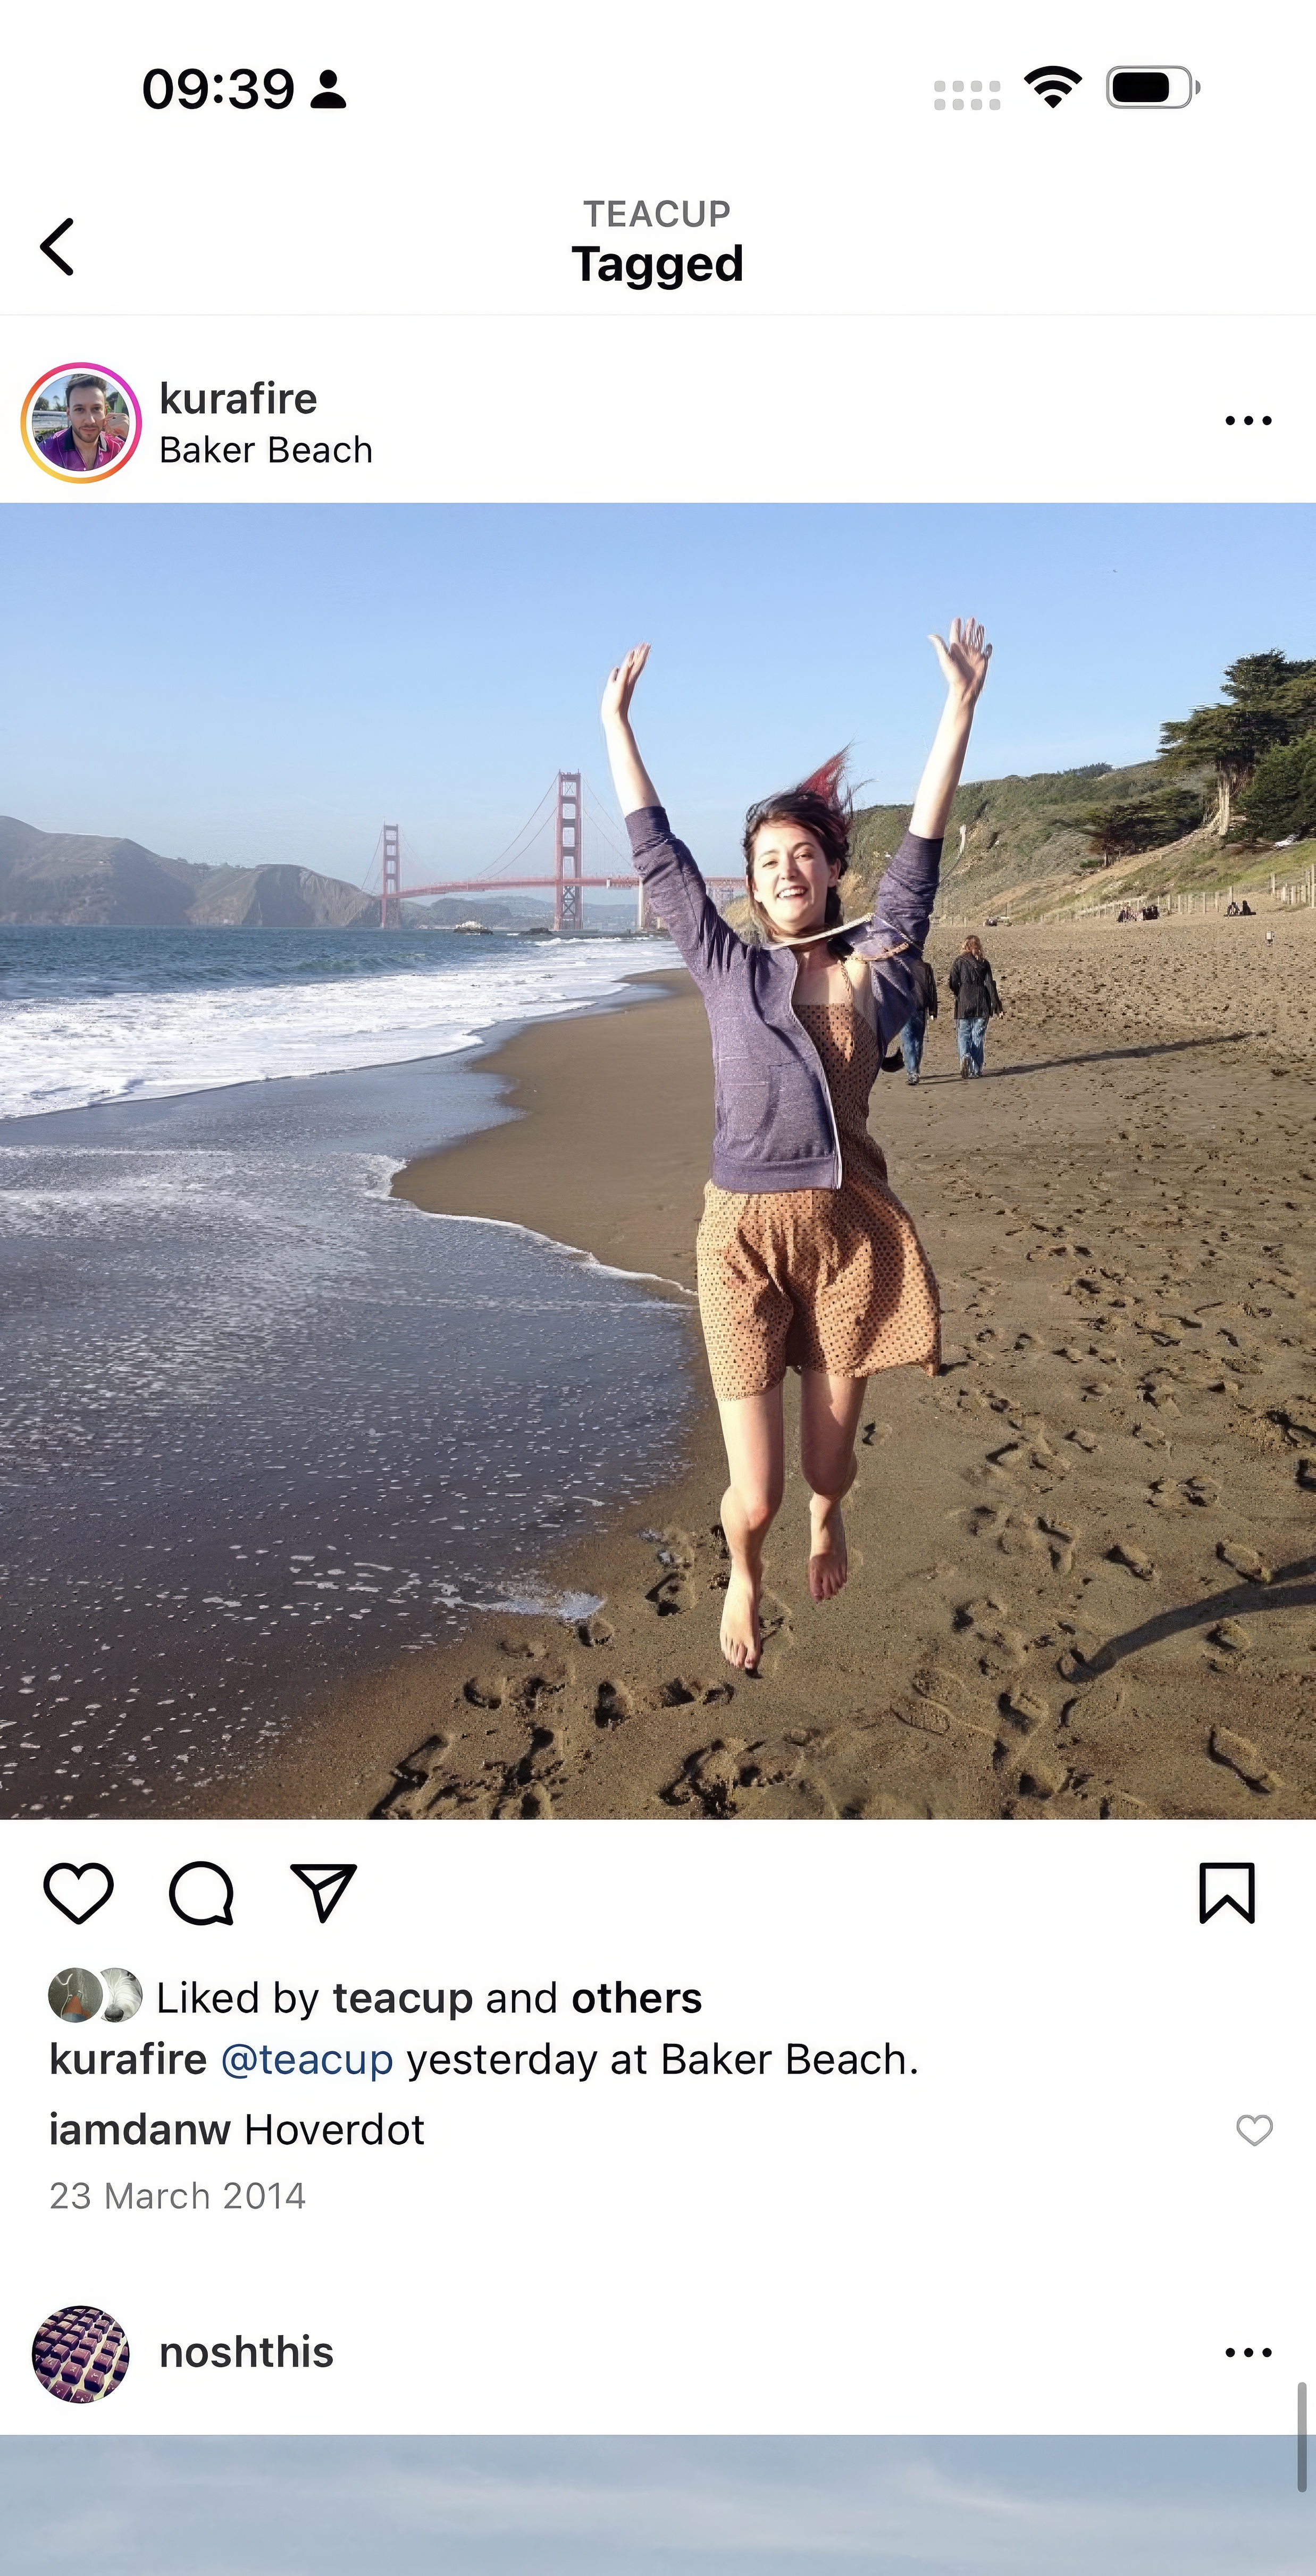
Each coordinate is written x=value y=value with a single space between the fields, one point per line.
x=202 y=1893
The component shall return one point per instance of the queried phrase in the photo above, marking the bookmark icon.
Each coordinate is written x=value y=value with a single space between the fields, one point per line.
x=1227 y=1882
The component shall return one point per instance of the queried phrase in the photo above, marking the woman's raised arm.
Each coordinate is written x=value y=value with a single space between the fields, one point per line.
x=964 y=659
x=635 y=788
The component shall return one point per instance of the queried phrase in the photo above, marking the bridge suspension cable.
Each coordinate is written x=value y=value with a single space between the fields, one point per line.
x=567 y=804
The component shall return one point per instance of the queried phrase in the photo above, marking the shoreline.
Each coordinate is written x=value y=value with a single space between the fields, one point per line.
x=538 y=1169
x=1082 y=1556
x=645 y=1235
x=231 y=1417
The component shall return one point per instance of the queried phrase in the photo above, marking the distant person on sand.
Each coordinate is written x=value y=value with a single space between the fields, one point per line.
x=806 y=1260
x=976 y=1002
x=925 y=1008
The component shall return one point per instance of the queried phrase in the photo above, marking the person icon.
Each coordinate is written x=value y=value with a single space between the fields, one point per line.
x=327 y=93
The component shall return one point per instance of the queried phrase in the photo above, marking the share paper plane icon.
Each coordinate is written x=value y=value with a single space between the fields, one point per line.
x=326 y=1879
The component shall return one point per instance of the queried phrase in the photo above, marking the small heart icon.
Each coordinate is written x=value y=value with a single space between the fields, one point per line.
x=77 y=1902
x=1255 y=2127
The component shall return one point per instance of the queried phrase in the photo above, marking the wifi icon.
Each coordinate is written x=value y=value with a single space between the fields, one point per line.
x=1052 y=82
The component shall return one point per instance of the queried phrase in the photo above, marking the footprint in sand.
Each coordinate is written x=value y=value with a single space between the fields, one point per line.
x=595 y=1631
x=727 y=1777
x=1245 y=1759
x=1181 y=1495
x=709 y=1779
x=612 y=1704
x=528 y=1783
x=1244 y=1560
x=1228 y=1634
x=775 y=1620
x=1041 y=1779
x=412 y=1778
x=673 y=1596
x=985 y=1624
x=1025 y=1711
x=924 y=1715
x=676 y=1548
x=1133 y=1558
x=486 y=1690
x=1033 y=1534
x=684 y=1691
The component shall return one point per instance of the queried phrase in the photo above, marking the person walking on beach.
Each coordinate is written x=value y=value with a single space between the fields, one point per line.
x=911 y=1037
x=976 y=1002
x=806 y=1259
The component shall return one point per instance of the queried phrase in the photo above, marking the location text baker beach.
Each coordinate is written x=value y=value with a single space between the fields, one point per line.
x=265 y=398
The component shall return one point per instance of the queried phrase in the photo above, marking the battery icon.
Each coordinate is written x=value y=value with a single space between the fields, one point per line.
x=1151 y=85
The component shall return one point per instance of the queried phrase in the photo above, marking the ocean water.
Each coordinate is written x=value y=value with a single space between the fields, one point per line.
x=262 y=1424
x=100 y=1015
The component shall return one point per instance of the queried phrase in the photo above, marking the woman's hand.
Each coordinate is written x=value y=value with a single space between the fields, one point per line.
x=620 y=687
x=963 y=660
x=635 y=788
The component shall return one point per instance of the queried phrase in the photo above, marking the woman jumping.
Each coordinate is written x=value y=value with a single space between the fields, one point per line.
x=805 y=1258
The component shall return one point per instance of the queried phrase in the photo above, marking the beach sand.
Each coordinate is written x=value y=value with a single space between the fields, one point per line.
x=1084 y=1558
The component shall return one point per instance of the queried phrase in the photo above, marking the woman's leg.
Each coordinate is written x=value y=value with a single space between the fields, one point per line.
x=829 y=1418
x=756 y=1465
x=977 y=1034
x=963 y=1033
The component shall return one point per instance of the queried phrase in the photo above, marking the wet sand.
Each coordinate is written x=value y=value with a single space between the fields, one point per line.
x=1084 y=1559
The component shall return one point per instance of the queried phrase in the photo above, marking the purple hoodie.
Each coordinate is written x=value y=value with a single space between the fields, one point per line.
x=775 y=1128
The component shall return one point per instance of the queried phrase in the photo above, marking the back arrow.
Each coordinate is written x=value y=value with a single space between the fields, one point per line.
x=59 y=230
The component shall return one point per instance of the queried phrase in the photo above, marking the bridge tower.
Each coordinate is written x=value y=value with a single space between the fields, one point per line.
x=390 y=903
x=568 y=893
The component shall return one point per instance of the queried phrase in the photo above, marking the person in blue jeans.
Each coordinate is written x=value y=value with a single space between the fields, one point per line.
x=976 y=1002
x=925 y=1009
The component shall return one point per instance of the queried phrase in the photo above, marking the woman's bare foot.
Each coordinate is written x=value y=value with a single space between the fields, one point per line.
x=741 y=1641
x=829 y=1562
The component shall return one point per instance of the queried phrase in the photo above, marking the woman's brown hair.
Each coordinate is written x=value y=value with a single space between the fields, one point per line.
x=820 y=804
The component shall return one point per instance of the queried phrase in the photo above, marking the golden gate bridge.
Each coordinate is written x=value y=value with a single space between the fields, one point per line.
x=561 y=809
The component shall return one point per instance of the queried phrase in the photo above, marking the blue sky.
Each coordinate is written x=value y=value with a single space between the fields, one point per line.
x=249 y=684
x=421 y=2507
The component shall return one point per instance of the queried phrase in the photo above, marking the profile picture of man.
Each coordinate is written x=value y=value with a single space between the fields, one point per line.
x=94 y=437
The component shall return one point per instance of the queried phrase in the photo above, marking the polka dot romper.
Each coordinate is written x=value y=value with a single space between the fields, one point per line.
x=834 y=1280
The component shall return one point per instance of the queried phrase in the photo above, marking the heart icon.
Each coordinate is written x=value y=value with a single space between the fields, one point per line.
x=77 y=1902
x=1255 y=2127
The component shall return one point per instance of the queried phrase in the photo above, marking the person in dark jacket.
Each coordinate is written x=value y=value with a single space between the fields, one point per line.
x=806 y=1258
x=976 y=1002
x=925 y=1009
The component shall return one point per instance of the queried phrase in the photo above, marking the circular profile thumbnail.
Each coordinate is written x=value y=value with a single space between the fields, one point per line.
x=123 y=1994
x=80 y=2354
x=75 y=1994
x=81 y=424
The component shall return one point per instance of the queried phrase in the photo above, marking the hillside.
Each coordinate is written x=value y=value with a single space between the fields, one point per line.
x=80 y=880
x=281 y=898
x=1024 y=843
